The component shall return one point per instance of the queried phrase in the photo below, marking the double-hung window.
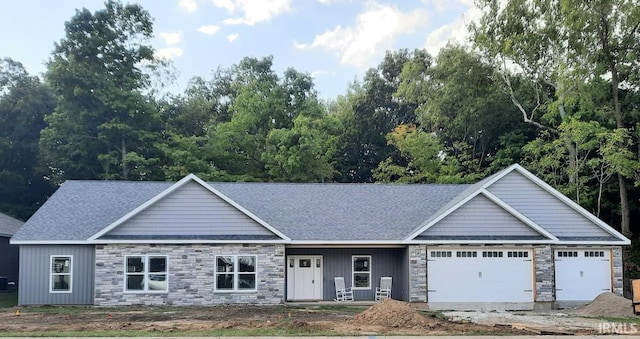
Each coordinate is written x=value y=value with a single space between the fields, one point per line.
x=361 y=272
x=146 y=273
x=60 y=275
x=235 y=273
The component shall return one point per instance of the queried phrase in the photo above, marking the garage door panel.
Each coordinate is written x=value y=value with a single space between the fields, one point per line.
x=582 y=274
x=480 y=276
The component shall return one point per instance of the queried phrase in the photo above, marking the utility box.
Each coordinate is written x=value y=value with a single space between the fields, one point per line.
x=3 y=284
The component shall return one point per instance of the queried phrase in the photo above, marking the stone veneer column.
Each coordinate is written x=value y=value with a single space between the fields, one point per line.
x=417 y=273
x=617 y=270
x=544 y=273
x=190 y=274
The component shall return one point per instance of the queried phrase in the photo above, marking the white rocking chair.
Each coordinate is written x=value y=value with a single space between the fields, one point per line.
x=384 y=291
x=342 y=293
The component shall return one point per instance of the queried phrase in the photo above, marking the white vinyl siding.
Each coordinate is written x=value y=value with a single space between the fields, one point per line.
x=544 y=209
x=61 y=274
x=191 y=210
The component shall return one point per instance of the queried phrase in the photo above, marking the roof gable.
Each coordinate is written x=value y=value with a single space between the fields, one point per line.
x=189 y=210
x=9 y=225
x=549 y=208
x=483 y=217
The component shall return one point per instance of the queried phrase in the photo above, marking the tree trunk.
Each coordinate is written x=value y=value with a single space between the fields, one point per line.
x=125 y=169
x=624 y=207
x=625 y=219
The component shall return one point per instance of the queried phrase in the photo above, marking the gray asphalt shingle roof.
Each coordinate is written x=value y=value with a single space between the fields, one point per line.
x=321 y=212
x=9 y=225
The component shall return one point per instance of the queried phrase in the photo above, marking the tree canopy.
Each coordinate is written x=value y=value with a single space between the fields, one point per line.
x=551 y=84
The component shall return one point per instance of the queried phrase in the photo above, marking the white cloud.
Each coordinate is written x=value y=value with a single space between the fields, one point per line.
x=226 y=4
x=209 y=29
x=171 y=38
x=189 y=5
x=374 y=32
x=253 y=11
x=455 y=31
x=232 y=37
x=320 y=73
x=169 y=53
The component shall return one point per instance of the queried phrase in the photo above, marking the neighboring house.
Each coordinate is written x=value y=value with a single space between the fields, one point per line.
x=9 y=253
x=509 y=240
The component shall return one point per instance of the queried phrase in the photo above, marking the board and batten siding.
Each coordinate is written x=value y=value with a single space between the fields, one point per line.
x=480 y=217
x=35 y=261
x=385 y=262
x=543 y=208
x=190 y=210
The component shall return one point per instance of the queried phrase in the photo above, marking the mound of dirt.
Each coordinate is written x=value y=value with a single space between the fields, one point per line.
x=607 y=304
x=393 y=314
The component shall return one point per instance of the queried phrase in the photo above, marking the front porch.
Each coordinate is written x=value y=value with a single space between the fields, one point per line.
x=310 y=272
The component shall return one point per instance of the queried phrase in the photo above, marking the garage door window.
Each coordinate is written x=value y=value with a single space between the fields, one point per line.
x=466 y=254
x=517 y=254
x=567 y=254
x=492 y=254
x=441 y=254
x=594 y=254
x=361 y=272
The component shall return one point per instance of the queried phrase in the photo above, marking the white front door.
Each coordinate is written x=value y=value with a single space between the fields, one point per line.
x=304 y=277
x=457 y=275
x=582 y=274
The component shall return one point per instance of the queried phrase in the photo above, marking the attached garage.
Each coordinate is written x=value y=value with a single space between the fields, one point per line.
x=476 y=275
x=582 y=274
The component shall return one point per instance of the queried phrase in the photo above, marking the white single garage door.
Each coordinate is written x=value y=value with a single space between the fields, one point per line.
x=582 y=274
x=479 y=275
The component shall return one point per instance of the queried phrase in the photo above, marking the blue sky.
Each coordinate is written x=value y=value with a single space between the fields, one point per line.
x=335 y=41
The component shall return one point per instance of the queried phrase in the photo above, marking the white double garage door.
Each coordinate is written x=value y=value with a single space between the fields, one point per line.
x=460 y=275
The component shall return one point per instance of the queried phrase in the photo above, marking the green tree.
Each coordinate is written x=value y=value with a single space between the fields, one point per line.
x=567 y=49
x=103 y=126
x=420 y=157
x=24 y=101
x=368 y=112
x=305 y=152
x=459 y=102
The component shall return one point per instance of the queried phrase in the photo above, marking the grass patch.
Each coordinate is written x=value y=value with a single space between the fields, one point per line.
x=254 y=332
x=633 y=320
x=434 y=314
x=332 y=308
x=8 y=299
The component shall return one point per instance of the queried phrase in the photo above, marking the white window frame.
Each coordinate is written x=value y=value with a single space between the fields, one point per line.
x=353 y=272
x=52 y=273
x=146 y=274
x=236 y=274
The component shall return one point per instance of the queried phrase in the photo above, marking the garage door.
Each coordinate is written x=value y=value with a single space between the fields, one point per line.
x=479 y=275
x=582 y=274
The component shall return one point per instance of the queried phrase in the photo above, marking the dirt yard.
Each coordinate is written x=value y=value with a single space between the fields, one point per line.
x=387 y=317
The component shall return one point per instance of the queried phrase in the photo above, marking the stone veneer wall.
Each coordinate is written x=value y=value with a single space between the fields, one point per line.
x=617 y=270
x=545 y=276
x=417 y=273
x=191 y=274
